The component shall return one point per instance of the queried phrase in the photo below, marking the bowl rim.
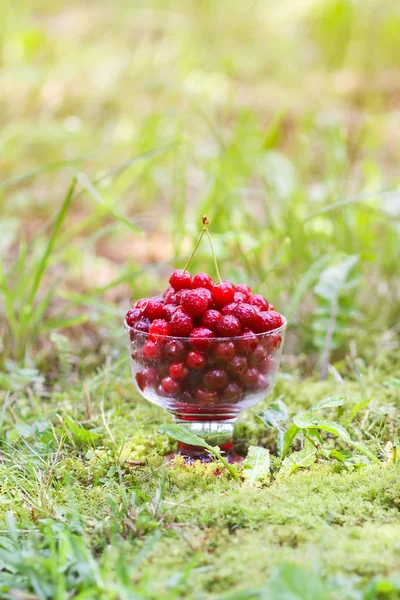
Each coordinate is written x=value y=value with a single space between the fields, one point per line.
x=264 y=334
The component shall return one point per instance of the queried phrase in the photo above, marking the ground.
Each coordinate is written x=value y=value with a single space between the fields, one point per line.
x=281 y=124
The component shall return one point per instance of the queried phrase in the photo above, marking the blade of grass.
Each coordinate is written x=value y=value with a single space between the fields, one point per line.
x=348 y=201
x=46 y=255
x=88 y=186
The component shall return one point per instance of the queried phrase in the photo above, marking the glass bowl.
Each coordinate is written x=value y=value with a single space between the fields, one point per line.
x=205 y=383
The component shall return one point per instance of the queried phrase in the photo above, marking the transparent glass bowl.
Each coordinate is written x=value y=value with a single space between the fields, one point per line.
x=212 y=380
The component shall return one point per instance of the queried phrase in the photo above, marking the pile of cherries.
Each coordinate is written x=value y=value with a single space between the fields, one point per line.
x=198 y=343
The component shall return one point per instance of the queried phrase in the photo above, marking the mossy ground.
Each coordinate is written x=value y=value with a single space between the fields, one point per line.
x=179 y=529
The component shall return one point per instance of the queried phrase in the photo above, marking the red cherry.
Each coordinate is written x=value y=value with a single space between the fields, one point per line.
x=159 y=327
x=147 y=378
x=195 y=303
x=202 y=280
x=239 y=297
x=207 y=295
x=223 y=351
x=228 y=308
x=250 y=378
x=267 y=365
x=215 y=379
x=170 y=386
x=267 y=321
x=132 y=316
x=232 y=393
x=174 y=350
x=228 y=326
x=210 y=319
x=262 y=383
x=272 y=342
x=178 y=370
x=142 y=325
x=154 y=309
x=141 y=303
x=169 y=295
x=206 y=396
x=248 y=341
x=181 y=324
x=181 y=295
x=196 y=360
x=243 y=288
x=258 y=301
x=257 y=356
x=187 y=397
x=151 y=351
x=238 y=365
x=140 y=380
x=180 y=279
x=201 y=338
x=246 y=314
x=223 y=292
x=169 y=310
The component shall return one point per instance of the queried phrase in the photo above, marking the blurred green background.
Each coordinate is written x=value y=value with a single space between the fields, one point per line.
x=122 y=123
x=281 y=121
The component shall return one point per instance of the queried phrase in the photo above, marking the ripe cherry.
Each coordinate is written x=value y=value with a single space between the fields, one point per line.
x=180 y=279
x=159 y=327
x=250 y=378
x=142 y=325
x=196 y=360
x=201 y=338
x=258 y=301
x=243 y=288
x=154 y=309
x=228 y=326
x=206 y=396
x=223 y=351
x=210 y=319
x=215 y=379
x=246 y=314
x=228 y=308
x=223 y=293
x=267 y=321
x=181 y=324
x=170 y=386
x=151 y=350
x=178 y=370
x=195 y=302
x=132 y=316
x=238 y=365
x=232 y=392
x=202 y=280
x=174 y=350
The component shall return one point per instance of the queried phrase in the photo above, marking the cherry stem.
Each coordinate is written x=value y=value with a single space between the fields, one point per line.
x=185 y=268
x=205 y=223
x=214 y=257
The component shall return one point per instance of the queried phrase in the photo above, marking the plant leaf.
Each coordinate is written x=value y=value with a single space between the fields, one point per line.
x=288 y=438
x=256 y=464
x=329 y=402
x=303 y=458
x=183 y=435
x=275 y=414
x=273 y=417
x=82 y=437
x=310 y=421
x=306 y=282
x=187 y=437
x=294 y=582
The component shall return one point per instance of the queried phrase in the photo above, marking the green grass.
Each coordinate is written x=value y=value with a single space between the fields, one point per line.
x=121 y=125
